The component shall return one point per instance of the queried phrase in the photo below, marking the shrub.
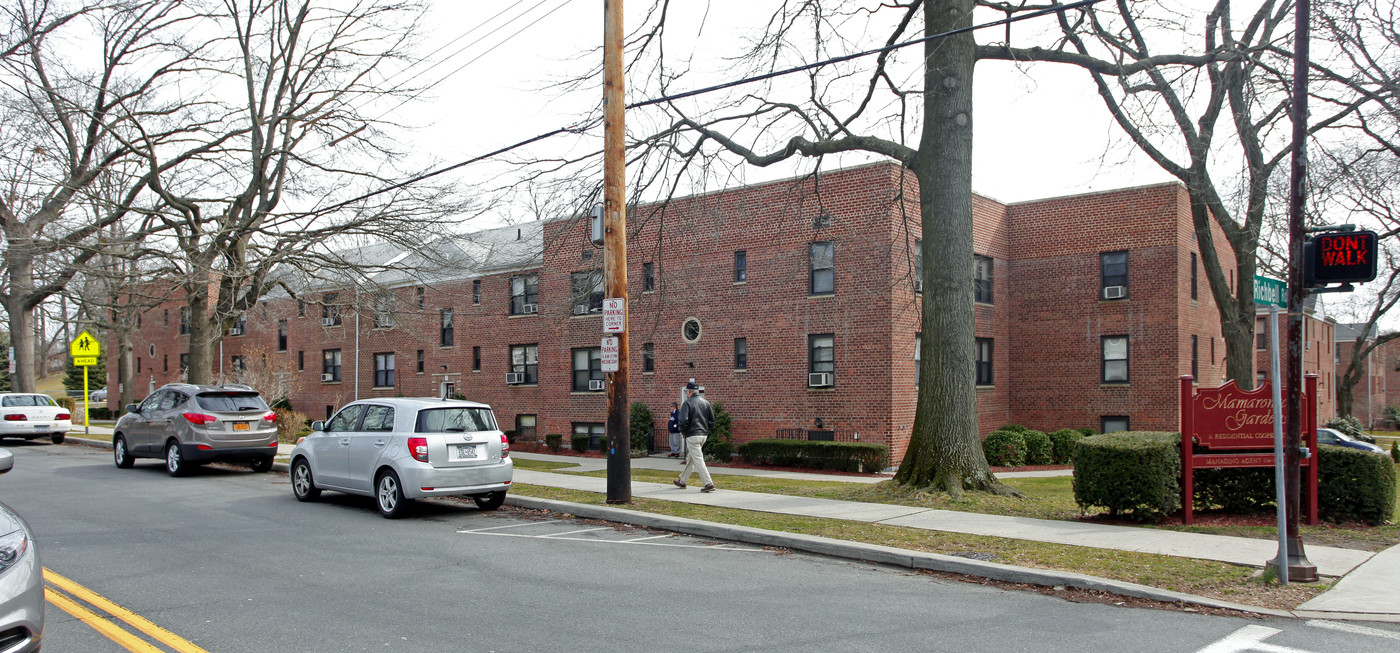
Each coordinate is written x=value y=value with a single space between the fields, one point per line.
x=289 y=425
x=1236 y=491
x=1133 y=471
x=579 y=442
x=99 y=412
x=554 y=441
x=1062 y=445
x=1355 y=485
x=840 y=456
x=1037 y=447
x=1005 y=448
x=1087 y=431
x=68 y=404
x=641 y=425
x=1395 y=451
x=1349 y=425
x=720 y=445
x=510 y=436
x=1014 y=427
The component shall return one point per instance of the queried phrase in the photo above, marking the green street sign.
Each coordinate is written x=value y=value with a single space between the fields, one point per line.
x=1270 y=291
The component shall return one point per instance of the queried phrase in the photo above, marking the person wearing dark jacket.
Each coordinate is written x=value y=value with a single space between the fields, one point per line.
x=695 y=419
x=673 y=428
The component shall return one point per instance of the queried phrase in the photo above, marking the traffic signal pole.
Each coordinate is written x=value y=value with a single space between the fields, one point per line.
x=615 y=249
x=1299 y=568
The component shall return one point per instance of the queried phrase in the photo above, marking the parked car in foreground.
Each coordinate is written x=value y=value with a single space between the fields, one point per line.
x=1339 y=439
x=32 y=415
x=189 y=425
x=399 y=449
x=21 y=579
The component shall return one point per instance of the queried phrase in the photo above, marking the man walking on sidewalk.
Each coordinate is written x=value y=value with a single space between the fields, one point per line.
x=696 y=419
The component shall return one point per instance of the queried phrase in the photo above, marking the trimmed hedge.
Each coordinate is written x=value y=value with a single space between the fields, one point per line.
x=1014 y=427
x=1137 y=472
x=1005 y=448
x=554 y=441
x=1062 y=445
x=839 y=456
x=1037 y=447
x=578 y=442
x=1355 y=485
x=68 y=404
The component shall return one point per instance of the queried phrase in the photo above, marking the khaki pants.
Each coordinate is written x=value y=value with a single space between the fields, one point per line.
x=695 y=459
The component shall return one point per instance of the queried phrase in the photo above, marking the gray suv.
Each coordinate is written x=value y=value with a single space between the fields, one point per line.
x=189 y=425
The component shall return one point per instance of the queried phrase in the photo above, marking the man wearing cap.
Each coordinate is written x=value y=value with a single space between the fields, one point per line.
x=696 y=419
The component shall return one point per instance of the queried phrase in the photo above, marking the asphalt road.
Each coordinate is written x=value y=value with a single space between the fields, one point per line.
x=228 y=561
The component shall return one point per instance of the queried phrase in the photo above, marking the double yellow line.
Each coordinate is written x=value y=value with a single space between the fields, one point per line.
x=67 y=601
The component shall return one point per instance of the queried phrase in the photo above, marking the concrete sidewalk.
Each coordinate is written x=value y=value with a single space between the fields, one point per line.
x=1369 y=587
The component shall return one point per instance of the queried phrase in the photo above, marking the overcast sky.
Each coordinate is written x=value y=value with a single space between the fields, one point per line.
x=1037 y=134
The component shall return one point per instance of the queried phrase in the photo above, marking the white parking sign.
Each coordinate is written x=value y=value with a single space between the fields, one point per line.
x=614 y=315
x=610 y=347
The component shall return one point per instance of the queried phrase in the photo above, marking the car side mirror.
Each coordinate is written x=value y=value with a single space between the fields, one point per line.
x=131 y=408
x=7 y=461
x=318 y=425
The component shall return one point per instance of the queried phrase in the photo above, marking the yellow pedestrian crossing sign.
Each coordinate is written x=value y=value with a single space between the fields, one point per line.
x=85 y=346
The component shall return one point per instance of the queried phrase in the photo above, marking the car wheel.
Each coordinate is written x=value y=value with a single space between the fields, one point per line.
x=262 y=465
x=58 y=438
x=303 y=485
x=120 y=455
x=388 y=495
x=490 y=501
x=174 y=462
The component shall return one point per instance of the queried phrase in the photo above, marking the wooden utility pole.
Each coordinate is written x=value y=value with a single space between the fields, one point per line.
x=1299 y=568
x=615 y=249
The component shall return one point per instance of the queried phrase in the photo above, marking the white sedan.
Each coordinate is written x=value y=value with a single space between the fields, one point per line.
x=31 y=416
x=398 y=449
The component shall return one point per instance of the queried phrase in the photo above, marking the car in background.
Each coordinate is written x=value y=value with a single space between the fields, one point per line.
x=399 y=449
x=189 y=425
x=32 y=415
x=98 y=396
x=21 y=579
x=1338 y=439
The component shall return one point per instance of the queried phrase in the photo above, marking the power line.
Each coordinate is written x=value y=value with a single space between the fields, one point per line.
x=583 y=127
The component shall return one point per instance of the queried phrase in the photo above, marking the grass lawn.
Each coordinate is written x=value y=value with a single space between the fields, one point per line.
x=1045 y=498
x=1200 y=577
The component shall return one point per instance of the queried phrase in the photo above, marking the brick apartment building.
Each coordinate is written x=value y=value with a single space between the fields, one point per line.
x=1379 y=385
x=795 y=303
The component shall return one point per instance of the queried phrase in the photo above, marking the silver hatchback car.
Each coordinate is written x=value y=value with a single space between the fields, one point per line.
x=399 y=449
x=189 y=425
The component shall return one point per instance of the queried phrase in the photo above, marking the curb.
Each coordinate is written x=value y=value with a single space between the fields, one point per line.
x=873 y=553
x=880 y=554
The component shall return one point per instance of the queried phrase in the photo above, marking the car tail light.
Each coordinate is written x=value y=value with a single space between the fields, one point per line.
x=505 y=446
x=270 y=418
x=274 y=444
x=16 y=417
x=203 y=447
x=63 y=416
x=418 y=448
x=199 y=418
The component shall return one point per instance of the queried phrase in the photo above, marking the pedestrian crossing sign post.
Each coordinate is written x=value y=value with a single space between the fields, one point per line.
x=85 y=350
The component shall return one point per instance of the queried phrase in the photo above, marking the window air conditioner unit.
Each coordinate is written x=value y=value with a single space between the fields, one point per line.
x=919 y=286
x=1115 y=292
x=235 y=331
x=514 y=378
x=819 y=380
x=580 y=310
x=327 y=321
x=327 y=377
x=595 y=385
x=531 y=308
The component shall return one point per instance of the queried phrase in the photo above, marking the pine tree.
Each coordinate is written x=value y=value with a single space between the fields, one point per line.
x=97 y=376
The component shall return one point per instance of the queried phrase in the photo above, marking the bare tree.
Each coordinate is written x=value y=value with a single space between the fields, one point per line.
x=64 y=124
x=289 y=131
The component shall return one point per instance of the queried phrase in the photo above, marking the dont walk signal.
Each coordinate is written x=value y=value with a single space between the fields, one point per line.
x=1340 y=257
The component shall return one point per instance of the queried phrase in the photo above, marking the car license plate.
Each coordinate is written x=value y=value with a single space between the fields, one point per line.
x=41 y=427
x=466 y=451
x=240 y=426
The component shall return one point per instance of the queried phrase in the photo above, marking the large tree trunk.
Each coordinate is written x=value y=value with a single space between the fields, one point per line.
x=945 y=452
x=21 y=325
x=202 y=337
